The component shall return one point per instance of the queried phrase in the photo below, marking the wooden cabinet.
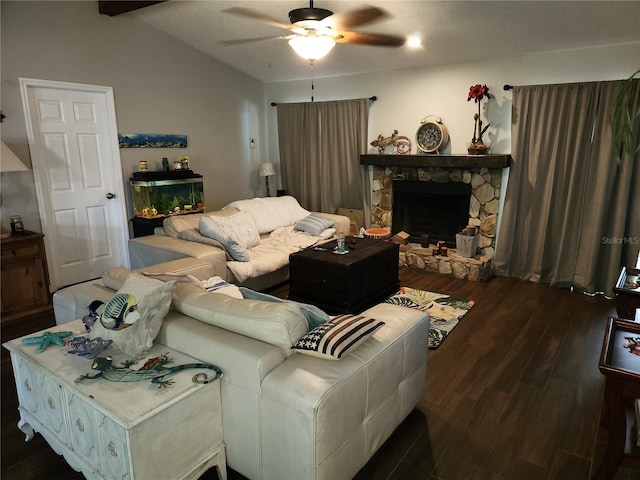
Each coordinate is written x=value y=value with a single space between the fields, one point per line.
x=119 y=430
x=25 y=281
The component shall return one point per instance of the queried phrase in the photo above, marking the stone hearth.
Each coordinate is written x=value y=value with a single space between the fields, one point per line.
x=477 y=268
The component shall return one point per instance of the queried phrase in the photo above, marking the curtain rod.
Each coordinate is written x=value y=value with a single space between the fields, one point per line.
x=371 y=99
x=508 y=87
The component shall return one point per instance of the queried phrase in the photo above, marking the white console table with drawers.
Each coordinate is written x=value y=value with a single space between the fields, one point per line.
x=117 y=430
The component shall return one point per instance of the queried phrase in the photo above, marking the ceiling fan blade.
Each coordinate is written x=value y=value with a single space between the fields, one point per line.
x=251 y=40
x=248 y=13
x=362 y=38
x=357 y=18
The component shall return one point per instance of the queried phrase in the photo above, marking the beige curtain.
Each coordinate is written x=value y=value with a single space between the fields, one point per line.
x=572 y=210
x=320 y=147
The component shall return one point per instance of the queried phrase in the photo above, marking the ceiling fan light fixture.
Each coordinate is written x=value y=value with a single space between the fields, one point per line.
x=312 y=47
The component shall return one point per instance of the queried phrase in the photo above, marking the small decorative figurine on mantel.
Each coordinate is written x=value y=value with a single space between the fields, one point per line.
x=401 y=143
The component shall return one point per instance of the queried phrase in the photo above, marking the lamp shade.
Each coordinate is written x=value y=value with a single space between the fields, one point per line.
x=312 y=47
x=266 y=169
x=9 y=162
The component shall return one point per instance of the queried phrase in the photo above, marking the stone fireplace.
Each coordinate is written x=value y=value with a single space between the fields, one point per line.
x=439 y=210
x=442 y=195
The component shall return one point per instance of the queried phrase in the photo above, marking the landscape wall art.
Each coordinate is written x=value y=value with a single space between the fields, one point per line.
x=151 y=140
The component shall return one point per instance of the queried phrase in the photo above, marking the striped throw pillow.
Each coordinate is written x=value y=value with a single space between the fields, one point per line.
x=337 y=336
x=314 y=224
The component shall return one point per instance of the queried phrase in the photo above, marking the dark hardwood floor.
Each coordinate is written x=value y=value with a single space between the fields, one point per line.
x=513 y=393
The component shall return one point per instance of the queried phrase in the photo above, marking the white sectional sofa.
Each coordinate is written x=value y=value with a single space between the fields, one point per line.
x=275 y=219
x=286 y=415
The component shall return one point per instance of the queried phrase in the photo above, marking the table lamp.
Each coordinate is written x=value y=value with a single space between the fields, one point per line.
x=265 y=170
x=9 y=163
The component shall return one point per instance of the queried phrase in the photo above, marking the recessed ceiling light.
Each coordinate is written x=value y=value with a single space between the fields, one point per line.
x=414 y=41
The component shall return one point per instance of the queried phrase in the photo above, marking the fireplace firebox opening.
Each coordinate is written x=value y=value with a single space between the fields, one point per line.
x=439 y=210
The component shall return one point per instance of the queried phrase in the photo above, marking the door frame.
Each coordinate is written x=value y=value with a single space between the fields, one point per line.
x=41 y=176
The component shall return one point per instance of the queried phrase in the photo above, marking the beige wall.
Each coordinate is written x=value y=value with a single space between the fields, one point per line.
x=164 y=86
x=160 y=86
x=407 y=96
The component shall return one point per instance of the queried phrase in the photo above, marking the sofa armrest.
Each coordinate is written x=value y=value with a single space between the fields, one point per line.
x=330 y=416
x=155 y=249
x=72 y=303
x=340 y=222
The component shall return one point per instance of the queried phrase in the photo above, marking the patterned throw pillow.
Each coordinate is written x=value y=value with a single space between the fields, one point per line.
x=154 y=299
x=338 y=336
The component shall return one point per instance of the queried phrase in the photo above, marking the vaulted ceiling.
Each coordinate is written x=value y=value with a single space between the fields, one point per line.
x=451 y=31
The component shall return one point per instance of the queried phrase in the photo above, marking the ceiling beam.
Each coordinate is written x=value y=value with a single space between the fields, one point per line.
x=116 y=7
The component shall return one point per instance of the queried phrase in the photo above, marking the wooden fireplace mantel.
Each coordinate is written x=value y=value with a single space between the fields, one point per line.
x=434 y=160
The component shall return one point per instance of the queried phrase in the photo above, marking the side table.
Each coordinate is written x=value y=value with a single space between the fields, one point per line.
x=112 y=430
x=622 y=369
x=627 y=292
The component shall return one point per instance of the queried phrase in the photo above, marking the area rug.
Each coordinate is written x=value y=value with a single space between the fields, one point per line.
x=445 y=311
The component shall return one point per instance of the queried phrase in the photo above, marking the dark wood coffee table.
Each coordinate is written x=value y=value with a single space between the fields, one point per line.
x=344 y=283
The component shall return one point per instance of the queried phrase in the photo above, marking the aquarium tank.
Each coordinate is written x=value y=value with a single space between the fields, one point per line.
x=158 y=194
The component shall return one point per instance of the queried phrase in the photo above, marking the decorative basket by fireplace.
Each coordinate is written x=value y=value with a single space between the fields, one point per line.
x=466 y=245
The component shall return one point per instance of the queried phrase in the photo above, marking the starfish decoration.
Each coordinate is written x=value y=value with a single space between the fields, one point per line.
x=46 y=339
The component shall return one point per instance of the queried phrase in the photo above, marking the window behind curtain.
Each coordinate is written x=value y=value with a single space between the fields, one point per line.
x=572 y=211
x=320 y=147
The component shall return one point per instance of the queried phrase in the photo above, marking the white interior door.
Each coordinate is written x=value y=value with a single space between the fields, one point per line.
x=78 y=175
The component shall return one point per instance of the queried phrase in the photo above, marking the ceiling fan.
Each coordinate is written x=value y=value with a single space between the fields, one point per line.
x=314 y=31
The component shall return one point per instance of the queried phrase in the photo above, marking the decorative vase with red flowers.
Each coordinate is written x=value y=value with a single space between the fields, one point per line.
x=477 y=146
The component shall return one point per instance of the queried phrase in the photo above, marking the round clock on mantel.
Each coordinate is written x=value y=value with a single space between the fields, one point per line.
x=432 y=134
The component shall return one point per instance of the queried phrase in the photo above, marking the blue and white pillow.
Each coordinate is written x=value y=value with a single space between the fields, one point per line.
x=314 y=224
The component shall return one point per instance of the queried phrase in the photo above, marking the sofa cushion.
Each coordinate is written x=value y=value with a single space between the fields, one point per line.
x=175 y=224
x=271 y=213
x=338 y=336
x=153 y=300
x=279 y=324
x=315 y=316
x=314 y=225
x=235 y=232
x=194 y=235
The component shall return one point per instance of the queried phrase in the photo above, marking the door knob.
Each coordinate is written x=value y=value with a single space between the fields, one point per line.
x=111 y=195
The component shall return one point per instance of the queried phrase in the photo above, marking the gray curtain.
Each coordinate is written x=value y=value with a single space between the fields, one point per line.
x=572 y=210
x=320 y=147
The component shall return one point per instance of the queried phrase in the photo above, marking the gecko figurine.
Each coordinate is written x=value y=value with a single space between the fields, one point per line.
x=154 y=369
